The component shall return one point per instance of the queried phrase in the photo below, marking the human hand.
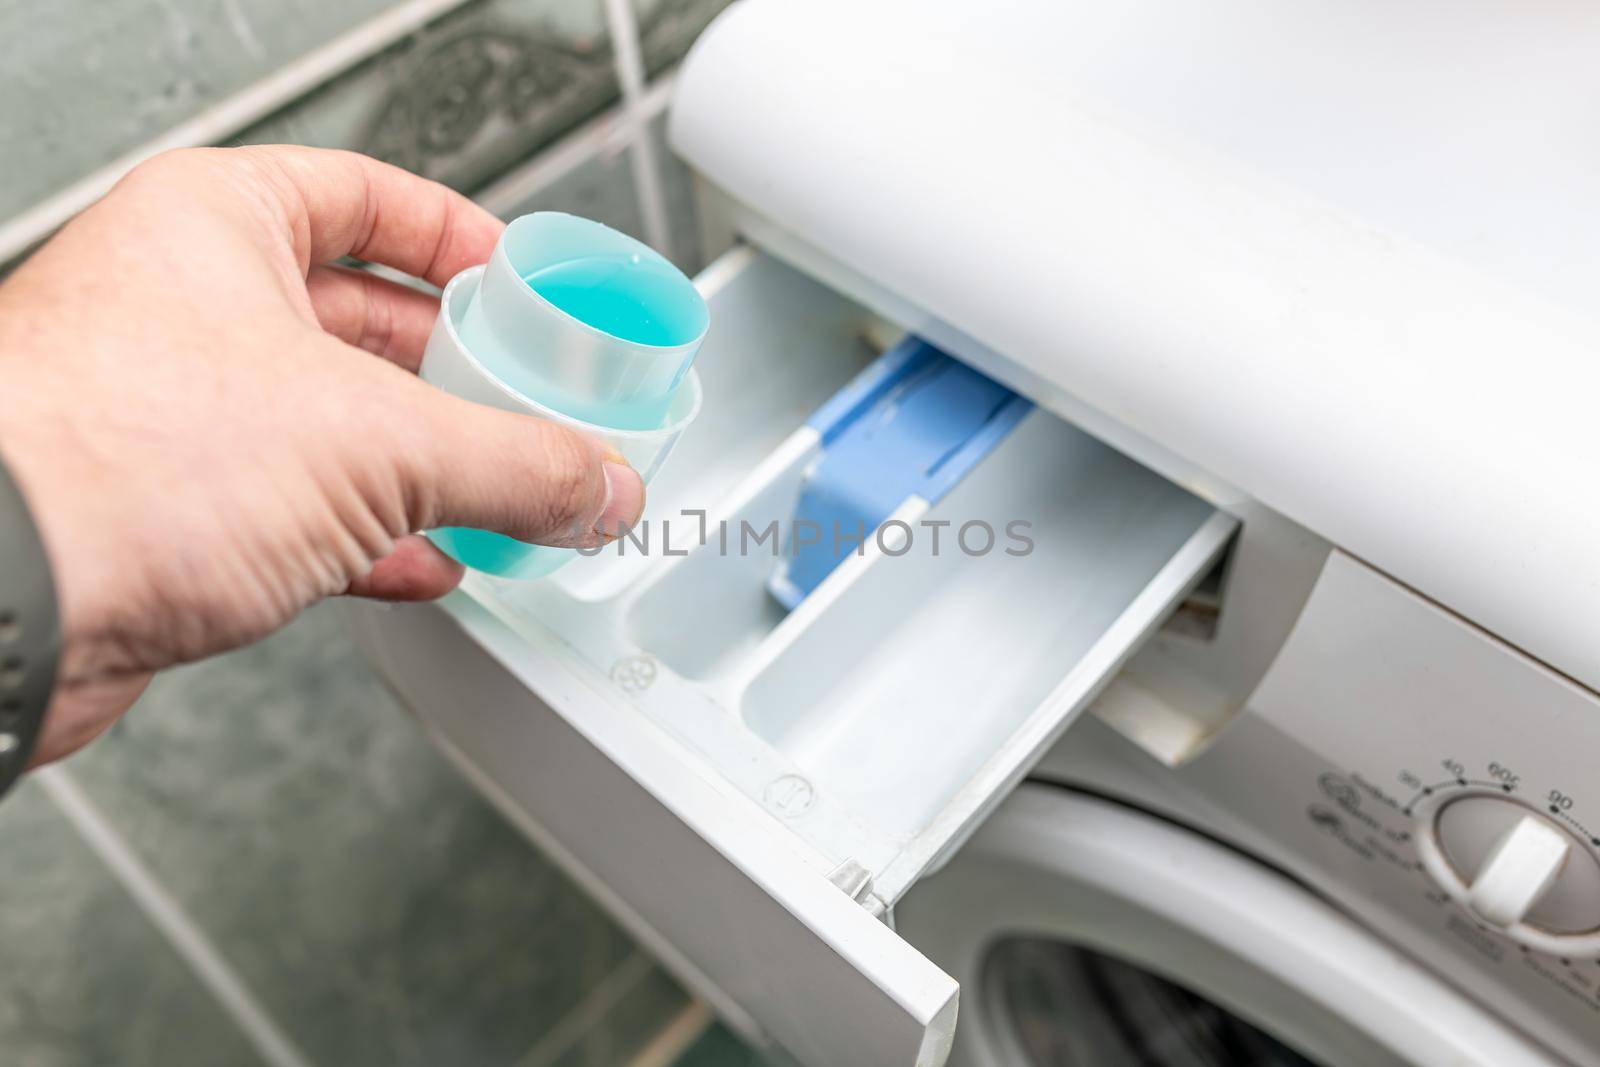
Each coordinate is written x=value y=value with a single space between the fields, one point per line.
x=214 y=429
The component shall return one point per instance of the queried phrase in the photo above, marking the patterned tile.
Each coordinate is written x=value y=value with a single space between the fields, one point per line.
x=87 y=980
x=600 y=188
x=377 y=907
x=603 y=189
x=668 y=27
x=468 y=96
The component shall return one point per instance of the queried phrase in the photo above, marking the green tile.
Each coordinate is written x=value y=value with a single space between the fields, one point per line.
x=478 y=89
x=652 y=1002
x=86 y=978
x=602 y=188
x=668 y=27
x=474 y=93
x=382 y=912
x=720 y=1048
x=84 y=81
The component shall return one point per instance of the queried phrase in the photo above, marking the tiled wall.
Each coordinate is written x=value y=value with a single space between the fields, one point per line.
x=88 y=86
x=84 y=82
x=265 y=861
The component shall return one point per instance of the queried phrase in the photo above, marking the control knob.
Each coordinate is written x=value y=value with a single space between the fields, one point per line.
x=1515 y=869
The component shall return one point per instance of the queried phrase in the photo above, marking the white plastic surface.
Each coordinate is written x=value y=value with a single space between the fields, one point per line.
x=908 y=691
x=1089 y=191
x=707 y=764
x=1521 y=868
x=1382 y=710
x=686 y=863
x=1055 y=864
x=1514 y=868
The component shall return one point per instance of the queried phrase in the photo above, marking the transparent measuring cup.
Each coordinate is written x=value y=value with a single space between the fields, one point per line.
x=587 y=320
x=606 y=349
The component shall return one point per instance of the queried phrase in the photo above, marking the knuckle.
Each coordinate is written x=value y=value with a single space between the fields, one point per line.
x=191 y=171
x=177 y=159
x=164 y=167
x=196 y=161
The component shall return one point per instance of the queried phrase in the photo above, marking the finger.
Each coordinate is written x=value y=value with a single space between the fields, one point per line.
x=477 y=466
x=383 y=317
x=415 y=570
x=346 y=204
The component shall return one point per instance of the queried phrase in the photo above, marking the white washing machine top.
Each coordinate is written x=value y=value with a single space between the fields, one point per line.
x=1335 y=258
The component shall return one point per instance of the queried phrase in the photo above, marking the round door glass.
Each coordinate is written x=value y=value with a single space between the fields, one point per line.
x=1066 y=1006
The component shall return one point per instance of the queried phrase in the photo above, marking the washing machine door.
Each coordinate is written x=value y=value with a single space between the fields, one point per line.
x=1090 y=934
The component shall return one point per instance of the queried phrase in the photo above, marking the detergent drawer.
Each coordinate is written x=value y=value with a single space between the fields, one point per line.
x=749 y=765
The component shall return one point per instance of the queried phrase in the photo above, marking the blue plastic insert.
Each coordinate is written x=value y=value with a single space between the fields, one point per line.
x=911 y=425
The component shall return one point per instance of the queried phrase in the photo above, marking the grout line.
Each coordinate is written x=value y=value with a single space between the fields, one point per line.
x=642 y=147
x=607 y=133
x=186 y=938
x=226 y=117
x=676 y=1038
x=585 y=1015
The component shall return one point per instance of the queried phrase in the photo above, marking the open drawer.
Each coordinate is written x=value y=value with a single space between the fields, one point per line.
x=750 y=788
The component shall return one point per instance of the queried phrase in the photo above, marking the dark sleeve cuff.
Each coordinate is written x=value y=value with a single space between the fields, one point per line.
x=30 y=632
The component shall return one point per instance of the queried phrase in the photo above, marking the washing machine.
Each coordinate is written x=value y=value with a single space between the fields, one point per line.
x=1210 y=675
x=1085 y=931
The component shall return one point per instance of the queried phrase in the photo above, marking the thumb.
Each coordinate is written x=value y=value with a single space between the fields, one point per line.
x=522 y=476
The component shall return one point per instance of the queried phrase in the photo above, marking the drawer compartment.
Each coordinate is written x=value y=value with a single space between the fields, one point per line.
x=700 y=754
x=927 y=666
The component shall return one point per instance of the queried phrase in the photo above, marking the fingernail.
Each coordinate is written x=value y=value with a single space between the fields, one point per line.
x=624 y=499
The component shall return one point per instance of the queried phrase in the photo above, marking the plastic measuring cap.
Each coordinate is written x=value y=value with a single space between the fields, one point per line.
x=590 y=321
x=574 y=356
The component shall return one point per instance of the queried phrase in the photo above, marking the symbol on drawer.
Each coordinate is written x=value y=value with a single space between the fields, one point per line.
x=1340 y=791
x=634 y=674
x=1325 y=819
x=790 y=795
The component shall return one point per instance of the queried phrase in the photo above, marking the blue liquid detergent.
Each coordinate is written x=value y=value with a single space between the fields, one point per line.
x=614 y=294
x=625 y=297
x=497 y=554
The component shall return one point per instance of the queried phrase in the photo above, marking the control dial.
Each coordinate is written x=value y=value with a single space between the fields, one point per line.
x=1515 y=869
